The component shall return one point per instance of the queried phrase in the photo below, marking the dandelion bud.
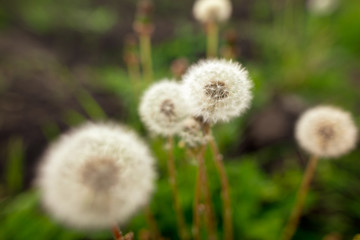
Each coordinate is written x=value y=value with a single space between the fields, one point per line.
x=191 y=132
x=179 y=66
x=143 y=24
x=163 y=107
x=217 y=90
x=326 y=131
x=96 y=176
x=206 y=11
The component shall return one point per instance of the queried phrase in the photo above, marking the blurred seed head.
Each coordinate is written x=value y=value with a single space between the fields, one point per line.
x=163 y=107
x=191 y=132
x=206 y=11
x=218 y=90
x=326 y=131
x=322 y=7
x=95 y=176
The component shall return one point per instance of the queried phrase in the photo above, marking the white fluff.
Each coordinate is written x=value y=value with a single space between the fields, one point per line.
x=163 y=107
x=212 y=10
x=322 y=7
x=326 y=131
x=96 y=176
x=218 y=90
x=191 y=132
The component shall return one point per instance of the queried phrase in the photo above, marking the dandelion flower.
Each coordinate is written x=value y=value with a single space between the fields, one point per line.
x=218 y=90
x=326 y=131
x=212 y=10
x=163 y=107
x=96 y=176
x=191 y=132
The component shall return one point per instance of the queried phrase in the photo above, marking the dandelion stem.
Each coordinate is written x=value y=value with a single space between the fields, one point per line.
x=293 y=222
x=212 y=39
x=117 y=233
x=145 y=50
x=172 y=180
x=202 y=188
x=225 y=190
x=196 y=208
x=154 y=231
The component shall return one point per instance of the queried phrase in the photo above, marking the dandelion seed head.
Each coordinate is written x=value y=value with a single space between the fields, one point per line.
x=218 y=90
x=191 y=132
x=95 y=176
x=212 y=10
x=322 y=7
x=163 y=107
x=326 y=131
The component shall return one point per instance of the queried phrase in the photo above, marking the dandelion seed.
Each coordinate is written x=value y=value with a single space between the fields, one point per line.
x=163 y=107
x=218 y=90
x=212 y=10
x=326 y=131
x=96 y=176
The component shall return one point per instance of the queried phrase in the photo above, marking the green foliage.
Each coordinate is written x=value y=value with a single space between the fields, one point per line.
x=314 y=57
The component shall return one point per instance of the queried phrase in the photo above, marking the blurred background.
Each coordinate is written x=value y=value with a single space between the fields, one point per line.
x=65 y=62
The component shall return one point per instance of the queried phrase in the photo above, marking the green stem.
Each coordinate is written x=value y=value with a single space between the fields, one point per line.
x=212 y=39
x=174 y=189
x=146 y=60
x=293 y=222
x=225 y=190
x=202 y=189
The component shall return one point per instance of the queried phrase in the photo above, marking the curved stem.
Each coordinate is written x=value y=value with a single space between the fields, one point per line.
x=293 y=222
x=172 y=181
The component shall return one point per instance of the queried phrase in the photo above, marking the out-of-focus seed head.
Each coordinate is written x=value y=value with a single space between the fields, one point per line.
x=322 y=7
x=95 y=176
x=326 y=131
x=206 y=11
x=191 y=132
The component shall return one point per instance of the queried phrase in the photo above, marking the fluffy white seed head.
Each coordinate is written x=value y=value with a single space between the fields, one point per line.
x=212 y=10
x=96 y=176
x=163 y=107
x=322 y=7
x=191 y=133
x=326 y=131
x=218 y=90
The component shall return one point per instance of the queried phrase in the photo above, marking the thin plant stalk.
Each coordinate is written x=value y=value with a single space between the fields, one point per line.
x=293 y=222
x=117 y=233
x=210 y=220
x=196 y=209
x=212 y=39
x=154 y=231
x=133 y=72
x=225 y=190
x=146 y=60
x=172 y=180
x=202 y=189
